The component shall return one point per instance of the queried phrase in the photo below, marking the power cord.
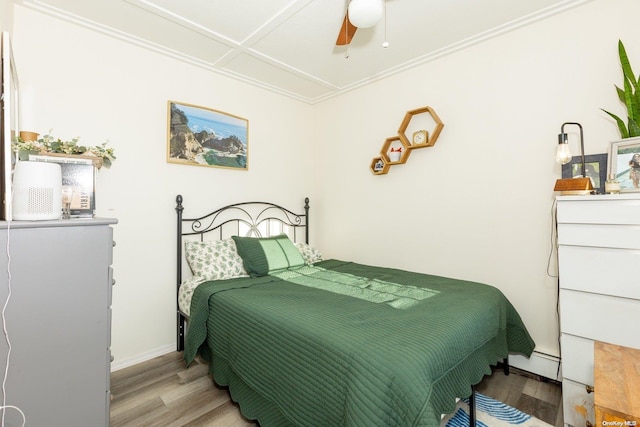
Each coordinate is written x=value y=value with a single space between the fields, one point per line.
x=554 y=239
x=4 y=406
x=554 y=247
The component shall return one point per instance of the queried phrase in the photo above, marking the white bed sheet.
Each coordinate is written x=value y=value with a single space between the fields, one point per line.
x=185 y=293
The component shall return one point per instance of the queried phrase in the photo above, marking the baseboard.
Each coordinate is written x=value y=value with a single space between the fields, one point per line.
x=118 y=364
x=541 y=364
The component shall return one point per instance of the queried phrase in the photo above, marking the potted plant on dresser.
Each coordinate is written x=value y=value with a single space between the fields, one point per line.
x=78 y=163
x=624 y=158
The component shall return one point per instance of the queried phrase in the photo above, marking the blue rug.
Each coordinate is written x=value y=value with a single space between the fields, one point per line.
x=490 y=413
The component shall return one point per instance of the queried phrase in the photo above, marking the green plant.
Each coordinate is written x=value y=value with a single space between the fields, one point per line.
x=50 y=144
x=629 y=96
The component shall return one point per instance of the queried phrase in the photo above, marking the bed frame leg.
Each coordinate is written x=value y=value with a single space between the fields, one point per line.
x=472 y=398
x=472 y=407
x=180 y=320
x=180 y=332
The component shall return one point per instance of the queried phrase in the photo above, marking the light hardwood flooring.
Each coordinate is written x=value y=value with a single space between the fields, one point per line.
x=163 y=393
x=529 y=393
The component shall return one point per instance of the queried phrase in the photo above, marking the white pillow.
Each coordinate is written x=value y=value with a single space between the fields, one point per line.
x=214 y=260
x=310 y=254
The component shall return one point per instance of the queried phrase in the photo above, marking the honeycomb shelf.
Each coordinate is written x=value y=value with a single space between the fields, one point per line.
x=380 y=165
x=432 y=136
x=388 y=144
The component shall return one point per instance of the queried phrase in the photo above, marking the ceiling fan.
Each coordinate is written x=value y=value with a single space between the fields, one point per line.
x=359 y=14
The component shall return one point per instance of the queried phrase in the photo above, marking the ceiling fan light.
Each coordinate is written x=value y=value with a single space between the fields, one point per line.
x=365 y=13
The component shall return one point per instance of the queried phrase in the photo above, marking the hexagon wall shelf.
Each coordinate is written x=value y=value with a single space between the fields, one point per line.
x=433 y=135
x=381 y=165
x=389 y=144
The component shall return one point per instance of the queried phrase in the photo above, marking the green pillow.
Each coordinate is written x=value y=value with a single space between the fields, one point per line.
x=262 y=255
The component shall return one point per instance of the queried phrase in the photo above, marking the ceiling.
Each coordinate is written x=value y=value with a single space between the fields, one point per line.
x=288 y=46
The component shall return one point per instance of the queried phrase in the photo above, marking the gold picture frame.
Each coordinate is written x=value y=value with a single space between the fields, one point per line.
x=202 y=136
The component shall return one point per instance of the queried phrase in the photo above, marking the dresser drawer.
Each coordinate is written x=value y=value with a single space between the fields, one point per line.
x=577 y=359
x=600 y=210
x=604 y=236
x=600 y=270
x=578 y=408
x=600 y=317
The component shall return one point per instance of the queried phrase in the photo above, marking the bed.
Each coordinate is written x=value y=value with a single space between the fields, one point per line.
x=305 y=341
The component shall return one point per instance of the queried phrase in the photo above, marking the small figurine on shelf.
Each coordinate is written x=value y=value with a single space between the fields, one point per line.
x=394 y=154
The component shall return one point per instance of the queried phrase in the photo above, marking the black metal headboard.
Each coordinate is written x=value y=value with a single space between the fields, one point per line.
x=258 y=219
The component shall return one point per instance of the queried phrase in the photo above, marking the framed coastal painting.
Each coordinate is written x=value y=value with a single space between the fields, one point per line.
x=202 y=136
x=624 y=163
x=595 y=166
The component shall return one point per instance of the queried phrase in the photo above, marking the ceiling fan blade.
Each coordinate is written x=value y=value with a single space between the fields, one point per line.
x=346 y=31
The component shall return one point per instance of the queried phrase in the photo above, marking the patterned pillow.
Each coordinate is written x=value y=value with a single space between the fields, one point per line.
x=214 y=260
x=310 y=254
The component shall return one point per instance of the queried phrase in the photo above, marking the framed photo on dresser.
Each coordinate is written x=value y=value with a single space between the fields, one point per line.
x=596 y=169
x=624 y=164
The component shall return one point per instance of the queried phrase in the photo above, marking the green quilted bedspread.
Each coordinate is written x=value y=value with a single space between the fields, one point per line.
x=384 y=348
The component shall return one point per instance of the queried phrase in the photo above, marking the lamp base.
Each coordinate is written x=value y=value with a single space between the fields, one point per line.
x=574 y=186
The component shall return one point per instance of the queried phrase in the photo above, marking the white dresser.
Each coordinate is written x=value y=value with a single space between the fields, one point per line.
x=59 y=321
x=599 y=268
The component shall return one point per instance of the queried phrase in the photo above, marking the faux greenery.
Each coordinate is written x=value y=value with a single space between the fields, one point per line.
x=629 y=96
x=50 y=144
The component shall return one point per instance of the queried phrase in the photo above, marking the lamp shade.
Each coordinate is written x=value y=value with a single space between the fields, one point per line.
x=365 y=13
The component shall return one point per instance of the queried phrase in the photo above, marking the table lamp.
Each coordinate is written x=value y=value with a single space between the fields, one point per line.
x=571 y=186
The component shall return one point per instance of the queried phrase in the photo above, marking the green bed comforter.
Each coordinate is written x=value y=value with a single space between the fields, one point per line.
x=386 y=348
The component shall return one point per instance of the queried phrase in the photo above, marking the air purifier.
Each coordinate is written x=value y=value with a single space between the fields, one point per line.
x=37 y=191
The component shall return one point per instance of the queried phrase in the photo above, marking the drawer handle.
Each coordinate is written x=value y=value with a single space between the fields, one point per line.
x=113 y=243
x=589 y=388
x=113 y=282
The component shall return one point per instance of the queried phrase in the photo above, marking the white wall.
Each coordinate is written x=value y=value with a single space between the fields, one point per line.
x=478 y=205
x=82 y=83
x=6 y=15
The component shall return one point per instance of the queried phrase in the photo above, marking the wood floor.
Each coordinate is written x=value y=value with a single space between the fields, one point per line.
x=163 y=393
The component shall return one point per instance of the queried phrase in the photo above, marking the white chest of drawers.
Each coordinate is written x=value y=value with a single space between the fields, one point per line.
x=599 y=268
x=59 y=321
